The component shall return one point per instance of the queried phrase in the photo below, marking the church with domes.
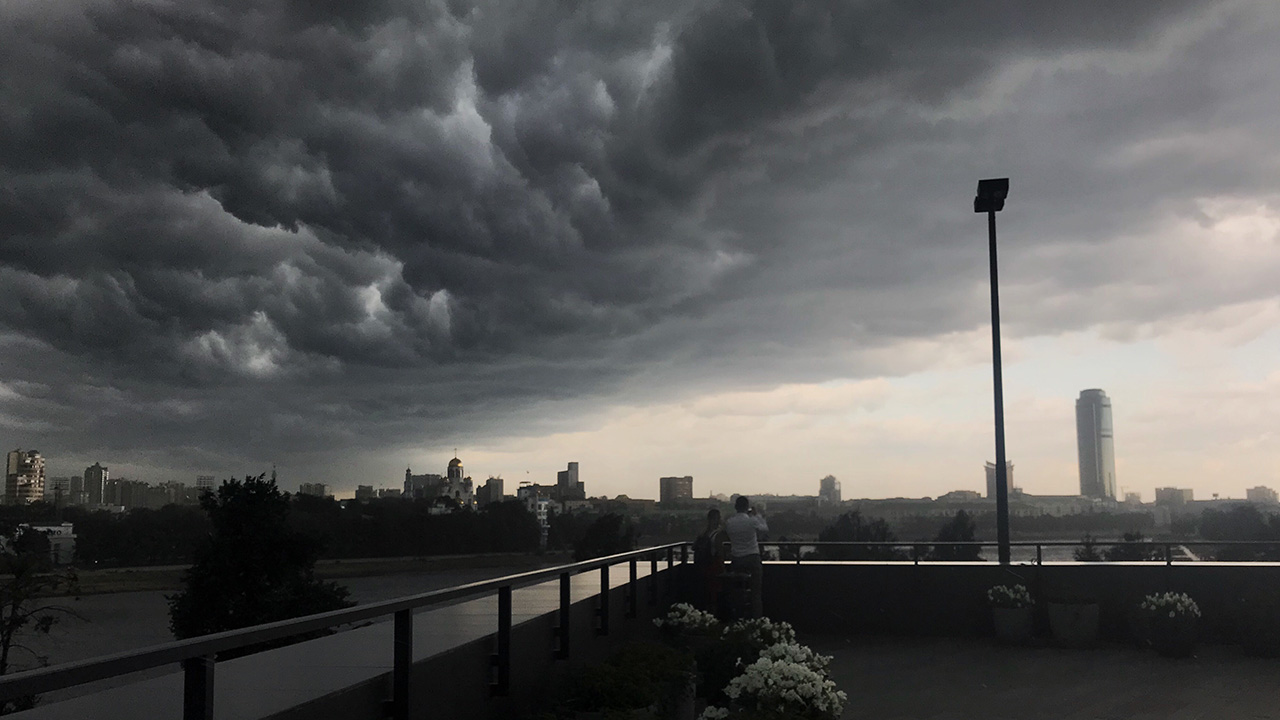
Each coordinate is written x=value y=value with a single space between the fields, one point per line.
x=454 y=485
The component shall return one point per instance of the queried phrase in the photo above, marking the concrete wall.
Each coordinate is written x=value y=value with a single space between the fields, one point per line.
x=950 y=598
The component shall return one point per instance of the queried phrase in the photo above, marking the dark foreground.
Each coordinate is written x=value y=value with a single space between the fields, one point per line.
x=942 y=679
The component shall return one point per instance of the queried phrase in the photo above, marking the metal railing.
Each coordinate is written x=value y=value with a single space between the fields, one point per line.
x=1163 y=551
x=198 y=656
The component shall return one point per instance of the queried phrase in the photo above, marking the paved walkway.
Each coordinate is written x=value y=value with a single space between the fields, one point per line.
x=954 y=679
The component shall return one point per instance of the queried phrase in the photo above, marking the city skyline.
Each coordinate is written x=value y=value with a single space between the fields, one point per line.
x=714 y=239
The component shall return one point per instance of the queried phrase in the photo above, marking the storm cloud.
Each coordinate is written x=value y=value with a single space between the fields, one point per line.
x=312 y=231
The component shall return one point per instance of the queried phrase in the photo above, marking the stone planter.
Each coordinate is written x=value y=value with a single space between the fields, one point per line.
x=1173 y=637
x=1074 y=624
x=1013 y=625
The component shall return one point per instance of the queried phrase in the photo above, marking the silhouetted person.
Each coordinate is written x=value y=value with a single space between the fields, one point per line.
x=708 y=559
x=744 y=530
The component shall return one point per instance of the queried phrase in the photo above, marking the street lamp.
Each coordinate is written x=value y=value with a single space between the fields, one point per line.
x=990 y=200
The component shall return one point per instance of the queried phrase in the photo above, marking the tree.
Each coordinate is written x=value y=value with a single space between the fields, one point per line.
x=960 y=528
x=252 y=568
x=27 y=580
x=850 y=527
x=1088 y=550
x=608 y=535
x=1133 y=547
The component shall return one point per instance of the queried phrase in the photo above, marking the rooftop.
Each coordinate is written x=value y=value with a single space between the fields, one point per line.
x=944 y=678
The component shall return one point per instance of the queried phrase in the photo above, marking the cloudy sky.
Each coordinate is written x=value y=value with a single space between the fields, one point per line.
x=732 y=240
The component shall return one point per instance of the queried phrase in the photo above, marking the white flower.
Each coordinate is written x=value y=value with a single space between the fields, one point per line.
x=781 y=686
x=1174 y=604
x=1004 y=596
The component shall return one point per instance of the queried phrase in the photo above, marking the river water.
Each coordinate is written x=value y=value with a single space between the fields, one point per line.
x=116 y=622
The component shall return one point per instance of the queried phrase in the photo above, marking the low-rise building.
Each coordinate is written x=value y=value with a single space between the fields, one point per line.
x=1173 y=496
x=1262 y=495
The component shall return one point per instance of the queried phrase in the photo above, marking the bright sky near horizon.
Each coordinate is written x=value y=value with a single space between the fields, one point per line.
x=727 y=239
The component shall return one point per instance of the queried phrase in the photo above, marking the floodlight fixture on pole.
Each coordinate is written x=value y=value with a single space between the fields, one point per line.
x=990 y=200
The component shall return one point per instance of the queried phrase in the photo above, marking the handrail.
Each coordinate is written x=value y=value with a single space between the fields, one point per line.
x=1166 y=546
x=58 y=677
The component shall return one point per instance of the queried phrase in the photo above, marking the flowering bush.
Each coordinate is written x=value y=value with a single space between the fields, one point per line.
x=798 y=654
x=1172 y=605
x=780 y=688
x=761 y=632
x=683 y=618
x=1003 y=596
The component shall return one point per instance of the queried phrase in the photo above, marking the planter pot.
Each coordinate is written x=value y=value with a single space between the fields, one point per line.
x=1013 y=625
x=1173 y=637
x=1074 y=624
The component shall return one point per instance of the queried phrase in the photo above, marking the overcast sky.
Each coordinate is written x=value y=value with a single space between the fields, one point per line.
x=732 y=240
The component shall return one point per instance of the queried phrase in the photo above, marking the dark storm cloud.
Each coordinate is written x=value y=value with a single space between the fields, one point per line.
x=282 y=226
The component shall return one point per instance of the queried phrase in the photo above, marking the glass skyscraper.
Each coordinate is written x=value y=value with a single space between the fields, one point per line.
x=1096 y=444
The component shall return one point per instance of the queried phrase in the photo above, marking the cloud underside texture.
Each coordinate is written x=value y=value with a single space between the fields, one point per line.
x=234 y=228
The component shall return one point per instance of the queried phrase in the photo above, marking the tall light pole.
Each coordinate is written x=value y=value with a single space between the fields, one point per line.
x=990 y=200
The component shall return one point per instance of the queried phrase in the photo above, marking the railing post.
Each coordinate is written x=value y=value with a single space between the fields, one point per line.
x=632 y=590
x=562 y=632
x=684 y=554
x=653 y=578
x=603 y=610
x=1168 y=554
x=502 y=658
x=671 y=557
x=401 y=663
x=197 y=688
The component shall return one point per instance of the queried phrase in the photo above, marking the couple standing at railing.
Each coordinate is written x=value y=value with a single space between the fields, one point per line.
x=742 y=533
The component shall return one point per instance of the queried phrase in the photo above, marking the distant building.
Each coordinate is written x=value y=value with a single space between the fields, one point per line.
x=490 y=492
x=64 y=491
x=62 y=541
x=24 y=477
x=95 y=484
x=956 y=496
x=365 y=492
x=205 y=483
x=1262 y=495
x=1095 y=442
x=991 y=479
x=389 y=493
x=674 y=489
x=315 y=489
x=457 y=486
x=829 y=491
x=568 y=487
x=528 y=492
x=1173 y=496
x=422 y=487
x=1133 y=498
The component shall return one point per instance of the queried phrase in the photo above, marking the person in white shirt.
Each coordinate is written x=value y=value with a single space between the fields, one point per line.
x=744 y=529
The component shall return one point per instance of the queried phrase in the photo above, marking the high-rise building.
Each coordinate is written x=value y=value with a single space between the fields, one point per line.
x=95 y=483
x=829 y=491
x=365 y=492
x=568 y=486
x=991 y=479
x=1094 y=439
x=316 y=489
x=1262 y=495
x=24 y=477
x=490 y=492
x=671 y=489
